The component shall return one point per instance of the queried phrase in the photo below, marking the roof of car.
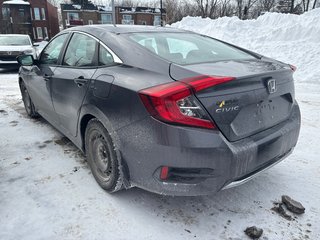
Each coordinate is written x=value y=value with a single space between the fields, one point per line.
x=14 y=35
x=118 y=29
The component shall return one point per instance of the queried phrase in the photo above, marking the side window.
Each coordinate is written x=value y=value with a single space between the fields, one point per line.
x=105 y=57
x=50 y=54
x=80 y=51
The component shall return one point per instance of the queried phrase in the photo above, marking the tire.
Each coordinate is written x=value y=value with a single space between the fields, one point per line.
x=102 y=157
x=28 y=104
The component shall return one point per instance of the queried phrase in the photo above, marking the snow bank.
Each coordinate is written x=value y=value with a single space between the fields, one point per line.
x=293 y=39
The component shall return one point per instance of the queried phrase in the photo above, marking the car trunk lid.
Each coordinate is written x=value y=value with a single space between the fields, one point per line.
x=248 y=104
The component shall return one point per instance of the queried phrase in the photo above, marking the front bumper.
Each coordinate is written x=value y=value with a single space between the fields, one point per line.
x=149 y=144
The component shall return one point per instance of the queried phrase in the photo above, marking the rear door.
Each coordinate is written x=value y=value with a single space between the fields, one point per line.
x=71 y=79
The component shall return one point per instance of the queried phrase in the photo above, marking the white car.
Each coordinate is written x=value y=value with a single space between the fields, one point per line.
x=13 y=45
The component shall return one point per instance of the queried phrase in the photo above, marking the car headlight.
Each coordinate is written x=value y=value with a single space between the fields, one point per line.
x=29 y=51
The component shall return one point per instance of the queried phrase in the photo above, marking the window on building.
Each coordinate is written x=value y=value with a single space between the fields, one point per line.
x=127 y=19
x=72 y=16
x=51 y=53
x=157 y=21
x=106 y=18
x=21 y=12
x=36 y=14
x=5 y=13
x=45 y=31
x=81 y=51
x=39 y=33
x=31 y=10
x=43 y=14
x=90 y=22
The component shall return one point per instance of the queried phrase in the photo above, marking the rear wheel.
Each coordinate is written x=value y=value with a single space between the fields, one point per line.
x=28 y=104
x=102 y=157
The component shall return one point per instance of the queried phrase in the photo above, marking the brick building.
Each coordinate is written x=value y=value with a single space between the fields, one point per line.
x=15 y=17
x=75 y=15
x=38 y=18
x=139 y=16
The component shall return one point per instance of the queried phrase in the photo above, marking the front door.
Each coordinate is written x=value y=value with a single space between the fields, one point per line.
x=41 y=74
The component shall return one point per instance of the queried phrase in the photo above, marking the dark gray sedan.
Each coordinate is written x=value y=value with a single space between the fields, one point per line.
x=166 y=110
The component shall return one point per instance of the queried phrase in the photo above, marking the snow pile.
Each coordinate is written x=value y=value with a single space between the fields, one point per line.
x=293 y=39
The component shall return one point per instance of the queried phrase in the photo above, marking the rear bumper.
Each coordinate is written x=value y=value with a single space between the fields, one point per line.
x=149 y=144
x=251 y=175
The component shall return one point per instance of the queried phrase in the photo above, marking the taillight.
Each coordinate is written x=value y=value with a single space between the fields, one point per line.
x=293 y=68
x=175 y=102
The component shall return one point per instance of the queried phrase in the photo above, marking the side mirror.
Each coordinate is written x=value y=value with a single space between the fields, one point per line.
x=25 y=60
x=36 y=44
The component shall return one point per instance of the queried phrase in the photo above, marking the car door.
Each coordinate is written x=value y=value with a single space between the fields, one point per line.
x=71 y=79
x=40 y=79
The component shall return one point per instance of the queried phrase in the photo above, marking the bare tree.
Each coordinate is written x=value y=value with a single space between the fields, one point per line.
x=292 y=6
x=240 y=8
x=176 y=10
x=243 y=8
x=55 y=3
x=266 y=5
x=225 y=8
x=127 y=3
x=207 y=7
x=314 y=4
x=171 y=7
x=307 y=5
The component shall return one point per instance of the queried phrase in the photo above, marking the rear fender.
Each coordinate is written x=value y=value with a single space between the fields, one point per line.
x=92 y=110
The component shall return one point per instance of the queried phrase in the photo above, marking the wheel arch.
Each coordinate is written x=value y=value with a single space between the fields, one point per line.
x=89 y=112
x=20 y=79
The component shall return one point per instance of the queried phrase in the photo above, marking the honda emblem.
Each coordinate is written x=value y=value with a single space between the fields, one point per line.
x=272 y=87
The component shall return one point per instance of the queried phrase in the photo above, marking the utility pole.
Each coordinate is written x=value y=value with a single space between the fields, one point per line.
x=161 y=23
x=113 y=13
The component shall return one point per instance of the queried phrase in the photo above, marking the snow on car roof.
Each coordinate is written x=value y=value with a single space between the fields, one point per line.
x=17 y=2
x=14 y=35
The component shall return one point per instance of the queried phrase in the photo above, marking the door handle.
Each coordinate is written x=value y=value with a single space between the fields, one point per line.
x=80 y=81
x=46 y=77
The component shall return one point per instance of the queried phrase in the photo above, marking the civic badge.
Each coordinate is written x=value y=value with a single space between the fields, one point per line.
x=272 y=87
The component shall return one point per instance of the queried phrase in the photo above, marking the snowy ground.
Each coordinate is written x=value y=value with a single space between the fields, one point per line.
x=47 y=191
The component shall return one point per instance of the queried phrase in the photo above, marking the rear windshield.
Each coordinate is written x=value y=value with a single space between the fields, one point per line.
x=7 y=40
x=188 y=48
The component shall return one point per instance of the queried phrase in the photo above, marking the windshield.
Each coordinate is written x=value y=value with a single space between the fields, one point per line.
x=188 y=48
x=7 y=40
